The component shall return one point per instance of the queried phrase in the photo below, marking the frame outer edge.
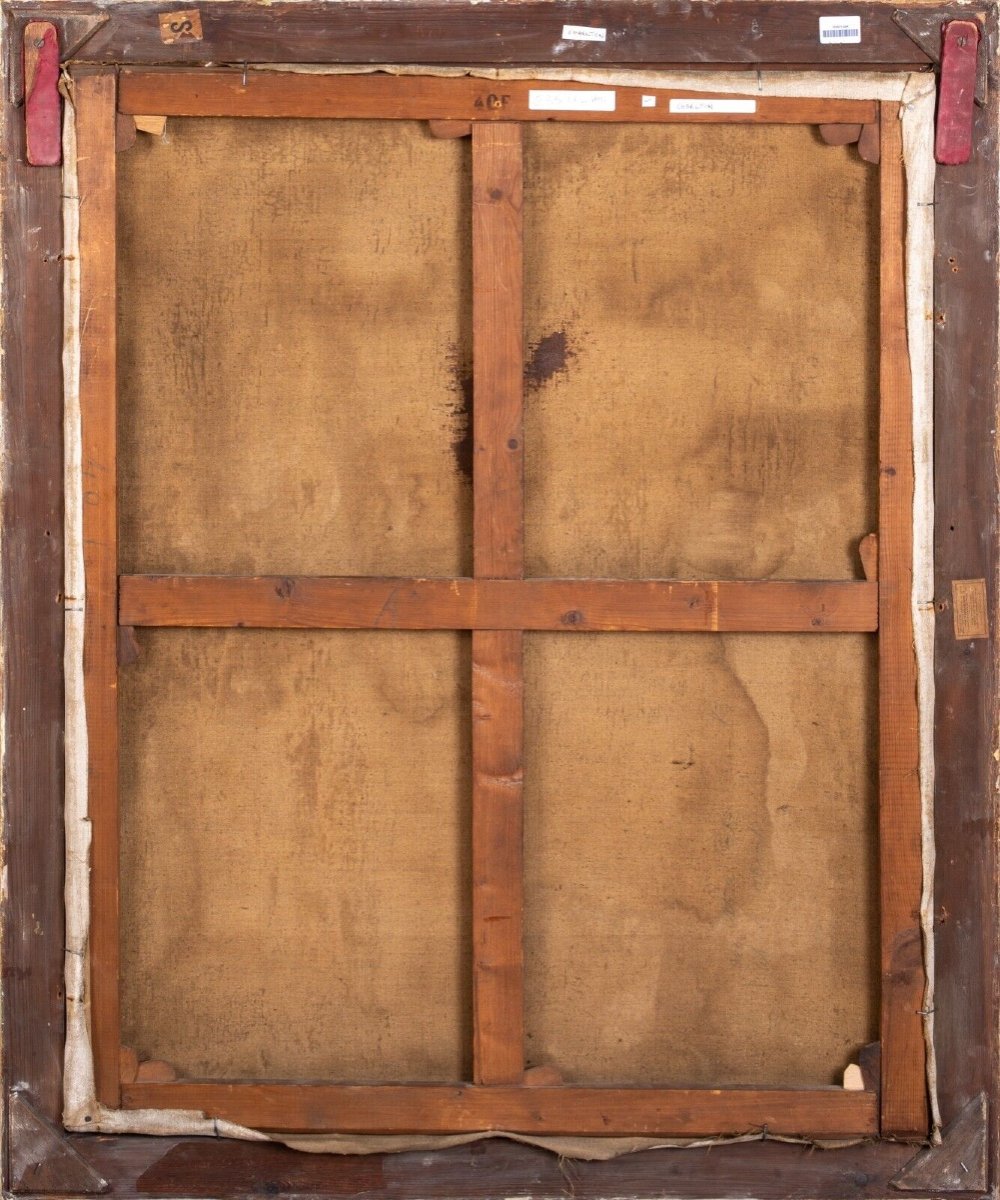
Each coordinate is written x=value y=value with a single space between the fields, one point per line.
x=967 y=351
x=22 y=552
x=31 y=600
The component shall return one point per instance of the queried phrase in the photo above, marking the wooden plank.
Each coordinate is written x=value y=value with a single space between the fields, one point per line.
x=966 y=547
x=31 y=578
x=95 y=123
x=224 y=93
x=433 y=1108
x=461 y=31
x=960 y=1163
x=224 y=1169
x=497 y=655
x=567 y=605
x=904 y=1089
x=498 y=351
x=218 y=1169
x=498 y=856
x=43 y=1159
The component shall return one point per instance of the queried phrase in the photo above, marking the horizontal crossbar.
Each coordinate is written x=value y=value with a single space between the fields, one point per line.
x=447 y=1108
x=179 y=93
x=568 y=605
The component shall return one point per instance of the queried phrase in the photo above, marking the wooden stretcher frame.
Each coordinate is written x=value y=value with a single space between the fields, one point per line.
x=966 y=549
x=498 y=605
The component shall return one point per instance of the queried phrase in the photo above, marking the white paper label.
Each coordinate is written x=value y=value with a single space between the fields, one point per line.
x=584 y=33
x=840 y=31
x=558 y=100
x=713 y=106
x=649 y=102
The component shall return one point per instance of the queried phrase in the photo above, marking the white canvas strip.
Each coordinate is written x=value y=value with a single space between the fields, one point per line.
x=918 y=155
x=866 y=85
x=79 y=1064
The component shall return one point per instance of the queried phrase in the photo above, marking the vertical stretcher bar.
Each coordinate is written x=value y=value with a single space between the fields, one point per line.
x=497 y=656
x=904 y=1086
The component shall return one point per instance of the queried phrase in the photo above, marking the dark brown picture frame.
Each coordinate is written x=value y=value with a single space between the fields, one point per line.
x=44 y=1160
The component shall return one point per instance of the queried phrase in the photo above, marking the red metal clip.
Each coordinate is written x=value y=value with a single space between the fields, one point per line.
x=42 y=106
x=957 y=92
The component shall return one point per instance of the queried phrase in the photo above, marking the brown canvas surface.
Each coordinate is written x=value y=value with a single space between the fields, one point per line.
x=700 y=402
x=291 y=345
x=700 y=825
x=712 y=294
x=294 y=832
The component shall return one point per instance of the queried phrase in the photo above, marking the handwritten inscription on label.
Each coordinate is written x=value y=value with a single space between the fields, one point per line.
x=563 y=100
x=584 y=33
x=683 y=105
x=968 y=602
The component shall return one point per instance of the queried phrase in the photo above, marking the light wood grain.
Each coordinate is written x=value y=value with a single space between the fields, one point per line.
x=823 y=1112
x=220 y=93
x=498 y=856
x=497 y=655
x=566 y=605
x=904 y=1102
x=498 y=351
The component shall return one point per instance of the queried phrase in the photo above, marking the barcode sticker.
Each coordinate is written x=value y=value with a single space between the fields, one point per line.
x=559 y=100
x=584 y=33
x=840 y=31
x=713 y=106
